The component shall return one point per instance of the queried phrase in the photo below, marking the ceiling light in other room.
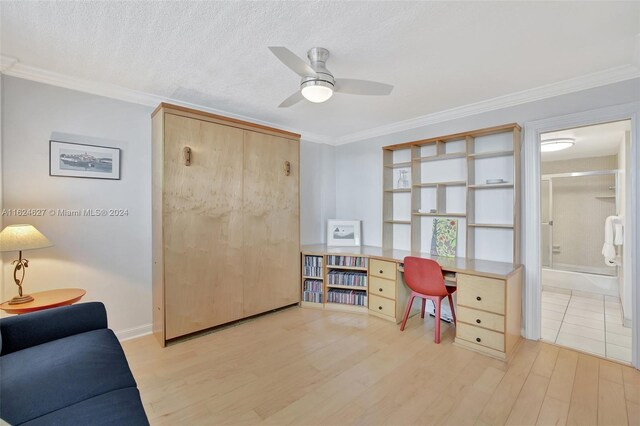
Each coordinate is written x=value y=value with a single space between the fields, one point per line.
x=551 y=145
x=317 y=90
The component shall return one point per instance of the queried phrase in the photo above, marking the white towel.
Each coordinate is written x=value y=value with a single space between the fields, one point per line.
x=619 y=236
x=608 y=249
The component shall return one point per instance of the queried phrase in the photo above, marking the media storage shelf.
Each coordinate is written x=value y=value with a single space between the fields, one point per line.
x=490 y=154
x=491 y=185
x=402 y=165
x=435 y=184
x=440 y=214
x=441 y=157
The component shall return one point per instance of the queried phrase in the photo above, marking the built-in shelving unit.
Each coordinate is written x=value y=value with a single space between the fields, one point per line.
x=340 y=282
x=449 y=177
x=312 y=281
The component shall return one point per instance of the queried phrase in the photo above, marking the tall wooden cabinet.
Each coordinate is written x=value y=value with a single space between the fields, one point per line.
x=226 y=225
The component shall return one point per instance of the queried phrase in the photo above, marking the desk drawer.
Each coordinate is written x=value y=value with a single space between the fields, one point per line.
x=382 y=269
x=481 y=293
x=382 y=306
x=481 y=318
x=480 y=336
x=382 y=287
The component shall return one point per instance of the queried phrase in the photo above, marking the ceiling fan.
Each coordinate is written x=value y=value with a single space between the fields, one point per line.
x=318 y=84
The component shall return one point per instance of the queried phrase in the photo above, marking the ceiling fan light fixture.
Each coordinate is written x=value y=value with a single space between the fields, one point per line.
x=552 y=145
x=317 y=91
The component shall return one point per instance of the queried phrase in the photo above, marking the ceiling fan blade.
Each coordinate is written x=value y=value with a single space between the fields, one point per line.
x=291 y=100
x=291 y=60
x=362 y=87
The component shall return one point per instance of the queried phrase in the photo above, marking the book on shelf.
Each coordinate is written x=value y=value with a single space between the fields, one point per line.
x=353 y=261
x=355 y=279
x=313 y=266
x=347 y=297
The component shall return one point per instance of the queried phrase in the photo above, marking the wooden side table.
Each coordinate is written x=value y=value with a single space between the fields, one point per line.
x=46 y=300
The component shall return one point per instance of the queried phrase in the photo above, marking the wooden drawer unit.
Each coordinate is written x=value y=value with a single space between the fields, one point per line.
x=487 y=294
x=383 y=306
x=382 y=269
x=382 y=287
x=480 y=336
x=489 y=313
x=482 y=319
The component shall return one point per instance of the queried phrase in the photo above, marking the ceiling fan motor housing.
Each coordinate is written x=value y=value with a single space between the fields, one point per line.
x=318 y=58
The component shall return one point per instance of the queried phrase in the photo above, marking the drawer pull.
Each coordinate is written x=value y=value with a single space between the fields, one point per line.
x=478 y=339
x=478 y=298
x=380 y=307
x=381 y=271
x=380 y=289
x=478 y=321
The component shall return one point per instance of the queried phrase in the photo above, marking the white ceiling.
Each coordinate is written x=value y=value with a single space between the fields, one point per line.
x=439 y=55
x=590 y=141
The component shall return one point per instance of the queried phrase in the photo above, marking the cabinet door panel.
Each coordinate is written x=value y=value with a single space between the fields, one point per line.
x=271 y=223
x=202 y=225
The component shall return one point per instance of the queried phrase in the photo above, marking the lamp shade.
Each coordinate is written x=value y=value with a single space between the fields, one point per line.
x=22 y=237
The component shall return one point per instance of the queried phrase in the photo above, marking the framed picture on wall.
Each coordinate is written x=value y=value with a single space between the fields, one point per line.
x=344 y=232
x=83 y=161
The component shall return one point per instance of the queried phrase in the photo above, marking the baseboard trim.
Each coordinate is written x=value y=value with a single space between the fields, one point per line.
x=132 y=333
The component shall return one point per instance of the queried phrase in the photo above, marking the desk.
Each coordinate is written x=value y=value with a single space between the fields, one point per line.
x=46 y=300
x=488 y=300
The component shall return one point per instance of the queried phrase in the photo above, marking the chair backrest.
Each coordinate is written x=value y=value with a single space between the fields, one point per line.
x=424 y=276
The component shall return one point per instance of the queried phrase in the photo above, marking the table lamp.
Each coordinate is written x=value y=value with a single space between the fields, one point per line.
x=19 y=238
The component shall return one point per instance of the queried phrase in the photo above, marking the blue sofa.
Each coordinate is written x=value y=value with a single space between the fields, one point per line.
x=63 y=366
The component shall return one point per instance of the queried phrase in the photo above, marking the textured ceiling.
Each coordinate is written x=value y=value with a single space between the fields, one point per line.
x=439 y=55
x=590 y=141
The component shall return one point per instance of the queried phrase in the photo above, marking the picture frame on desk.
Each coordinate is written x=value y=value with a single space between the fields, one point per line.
x=344 y=233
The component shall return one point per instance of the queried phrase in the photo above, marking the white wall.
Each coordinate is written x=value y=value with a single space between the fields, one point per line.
x=109 y=257
x=359 y=164
x=317 y=191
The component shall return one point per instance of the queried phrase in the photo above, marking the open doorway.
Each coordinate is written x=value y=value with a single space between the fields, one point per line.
x=586 y=275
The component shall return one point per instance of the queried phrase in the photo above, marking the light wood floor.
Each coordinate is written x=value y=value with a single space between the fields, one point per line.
x=309 y=367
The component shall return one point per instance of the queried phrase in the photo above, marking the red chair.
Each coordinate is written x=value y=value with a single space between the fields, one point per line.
x=424 y=278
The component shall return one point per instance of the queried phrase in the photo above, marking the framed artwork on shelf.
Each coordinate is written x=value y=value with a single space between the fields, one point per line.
x=344 y=232
x=83 y=161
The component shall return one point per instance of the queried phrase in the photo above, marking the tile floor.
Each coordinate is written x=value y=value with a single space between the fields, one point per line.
x=587 y=322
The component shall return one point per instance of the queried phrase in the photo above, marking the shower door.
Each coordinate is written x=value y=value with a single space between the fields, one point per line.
x=573 y=210
x=546 y=225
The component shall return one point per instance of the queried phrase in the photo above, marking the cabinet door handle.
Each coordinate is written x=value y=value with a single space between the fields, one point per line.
x=478 y=321
x=380 y=289
x=478 y=339
x=381 y=271
x=478 y=298
x=186 y=153
x=380 y=307
x=287 y=168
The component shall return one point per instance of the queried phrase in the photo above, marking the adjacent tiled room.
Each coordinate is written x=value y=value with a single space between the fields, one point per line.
x=587 y=322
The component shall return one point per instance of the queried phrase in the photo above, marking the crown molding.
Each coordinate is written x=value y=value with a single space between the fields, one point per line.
x=13 y=67
x=7 y=62
x=589 y=81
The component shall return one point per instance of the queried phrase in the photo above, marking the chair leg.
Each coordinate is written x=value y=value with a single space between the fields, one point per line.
x=424 y=305
x=453 y=310
x=437 y=302
x=406 y=312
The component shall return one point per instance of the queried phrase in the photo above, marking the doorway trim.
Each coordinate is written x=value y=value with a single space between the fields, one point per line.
x=531 y=213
